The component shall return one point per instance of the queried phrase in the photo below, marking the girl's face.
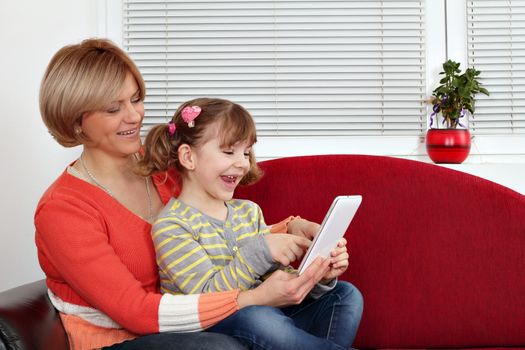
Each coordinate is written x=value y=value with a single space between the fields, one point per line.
x=219 y=169
x=115 y=130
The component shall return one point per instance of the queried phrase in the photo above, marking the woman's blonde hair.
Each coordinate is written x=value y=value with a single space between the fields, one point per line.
x=83 y=78
x=235 y=124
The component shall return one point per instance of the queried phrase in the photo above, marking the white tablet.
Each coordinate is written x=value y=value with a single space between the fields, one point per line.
x=332 y=229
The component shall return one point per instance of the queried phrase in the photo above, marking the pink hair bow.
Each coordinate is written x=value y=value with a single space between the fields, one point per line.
x=189 y=113
x=172 y=128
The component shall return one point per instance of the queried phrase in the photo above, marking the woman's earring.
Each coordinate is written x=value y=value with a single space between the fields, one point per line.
x=78 y=130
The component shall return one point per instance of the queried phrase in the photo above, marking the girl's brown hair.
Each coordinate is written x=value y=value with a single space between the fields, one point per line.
x=235 y=123
x=83 y=78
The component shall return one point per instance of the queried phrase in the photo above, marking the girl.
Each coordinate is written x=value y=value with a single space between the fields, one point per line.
x=205 y=241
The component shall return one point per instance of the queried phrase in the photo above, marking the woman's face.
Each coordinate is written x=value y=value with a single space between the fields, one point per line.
x=115 y=129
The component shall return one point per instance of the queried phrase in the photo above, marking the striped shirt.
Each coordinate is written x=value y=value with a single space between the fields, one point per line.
x=197 y=253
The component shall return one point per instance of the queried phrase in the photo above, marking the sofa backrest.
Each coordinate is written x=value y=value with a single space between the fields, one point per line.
x=438 y=254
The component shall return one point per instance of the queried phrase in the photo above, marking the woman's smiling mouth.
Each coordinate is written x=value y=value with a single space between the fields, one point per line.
x=127 y=132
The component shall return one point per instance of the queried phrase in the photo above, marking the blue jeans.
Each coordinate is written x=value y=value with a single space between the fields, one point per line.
x=330 y=322
x=178 y=341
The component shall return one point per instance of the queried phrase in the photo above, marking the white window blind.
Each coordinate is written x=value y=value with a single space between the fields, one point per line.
x=301 y=67
x=496 y=47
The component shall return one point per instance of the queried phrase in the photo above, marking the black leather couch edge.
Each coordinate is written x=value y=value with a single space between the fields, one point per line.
x=28 y=320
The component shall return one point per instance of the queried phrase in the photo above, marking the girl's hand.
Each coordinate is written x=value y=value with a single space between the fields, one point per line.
x=303 y=228
x=286 y=248
x=283 y=289
x=338 y=261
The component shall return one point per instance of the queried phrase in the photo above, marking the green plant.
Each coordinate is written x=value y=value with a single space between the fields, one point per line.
x=455 y=94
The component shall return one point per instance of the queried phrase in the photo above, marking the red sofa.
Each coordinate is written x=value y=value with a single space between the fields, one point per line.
x=439 y=255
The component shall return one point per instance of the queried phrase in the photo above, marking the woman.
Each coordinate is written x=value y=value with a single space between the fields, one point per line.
x=93 y=223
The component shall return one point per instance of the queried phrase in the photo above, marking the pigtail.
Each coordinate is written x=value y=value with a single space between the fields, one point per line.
x=160 y=151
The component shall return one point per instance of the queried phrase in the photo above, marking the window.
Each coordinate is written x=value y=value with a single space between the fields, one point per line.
x=496 y=46
x=297 y=61
x=302 y=68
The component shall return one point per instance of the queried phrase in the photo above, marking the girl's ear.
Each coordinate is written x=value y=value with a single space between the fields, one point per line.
x=186 y=156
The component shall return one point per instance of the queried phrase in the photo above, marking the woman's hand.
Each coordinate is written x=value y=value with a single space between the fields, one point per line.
x=338 y=261
x=303 y=228
x=283 y=288
x=286 y=248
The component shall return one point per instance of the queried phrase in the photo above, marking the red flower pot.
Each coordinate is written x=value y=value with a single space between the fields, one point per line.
x=448 y=145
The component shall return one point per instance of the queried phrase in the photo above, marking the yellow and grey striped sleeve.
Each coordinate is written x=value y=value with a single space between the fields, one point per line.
x=193 y=257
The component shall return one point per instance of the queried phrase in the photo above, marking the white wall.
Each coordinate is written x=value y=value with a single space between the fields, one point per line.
x=31 y=159
x=30 y=33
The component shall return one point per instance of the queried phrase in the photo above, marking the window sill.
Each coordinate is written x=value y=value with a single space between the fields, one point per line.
x=494 y=158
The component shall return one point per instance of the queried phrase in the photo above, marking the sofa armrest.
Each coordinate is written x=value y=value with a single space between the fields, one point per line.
x=28 y=320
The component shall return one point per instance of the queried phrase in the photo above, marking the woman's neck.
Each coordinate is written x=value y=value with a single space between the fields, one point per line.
x=108 y=167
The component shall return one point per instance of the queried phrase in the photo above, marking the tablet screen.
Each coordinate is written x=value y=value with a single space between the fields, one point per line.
x=332 y=229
